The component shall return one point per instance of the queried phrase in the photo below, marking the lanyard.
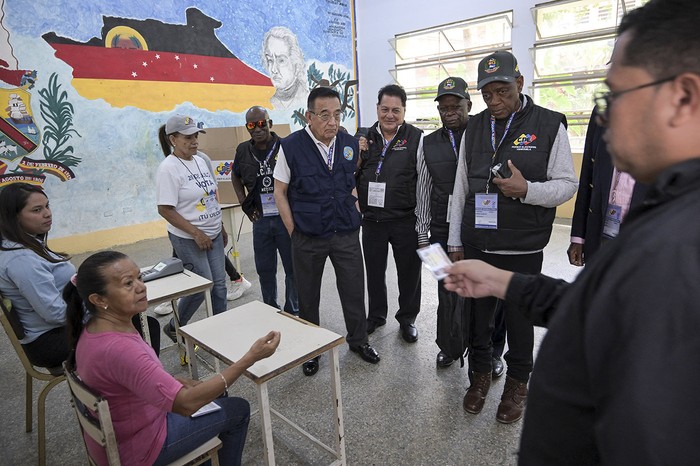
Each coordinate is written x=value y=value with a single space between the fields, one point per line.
x=201 y=184
x=614 y=190
x=493 y=142
x=266 y=162
x=330 y=156
x=381 y=157
x=505 y=133
x=452 y=140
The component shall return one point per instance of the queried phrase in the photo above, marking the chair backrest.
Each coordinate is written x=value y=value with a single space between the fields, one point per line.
x=7 y=316
x=11 y=317
x=93 y=415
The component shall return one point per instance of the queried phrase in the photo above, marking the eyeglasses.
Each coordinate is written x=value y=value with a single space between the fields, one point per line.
x=444 y=109
x=252 y=124
x=603 y=100
x=325 y=116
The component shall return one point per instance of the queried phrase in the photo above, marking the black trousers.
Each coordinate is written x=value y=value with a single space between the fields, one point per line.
x=376 y=237
x=520 y=332
x=309 y=257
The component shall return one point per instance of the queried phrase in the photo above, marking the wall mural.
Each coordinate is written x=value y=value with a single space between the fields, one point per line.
x=84 y=87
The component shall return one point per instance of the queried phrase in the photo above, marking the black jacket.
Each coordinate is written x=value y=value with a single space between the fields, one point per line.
x=614 y=381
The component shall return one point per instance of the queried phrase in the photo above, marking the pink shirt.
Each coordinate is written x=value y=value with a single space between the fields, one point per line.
x=126 y=371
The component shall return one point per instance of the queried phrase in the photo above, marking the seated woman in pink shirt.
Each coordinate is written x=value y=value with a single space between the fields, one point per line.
x=150 y=408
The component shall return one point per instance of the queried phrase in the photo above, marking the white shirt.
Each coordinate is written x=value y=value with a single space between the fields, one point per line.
x=282 y=171
x=185 y=184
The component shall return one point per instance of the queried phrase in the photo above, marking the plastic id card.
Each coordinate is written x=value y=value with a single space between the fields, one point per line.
x=435 y=259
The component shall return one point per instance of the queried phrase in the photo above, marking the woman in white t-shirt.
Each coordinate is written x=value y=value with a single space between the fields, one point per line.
x=186 y=198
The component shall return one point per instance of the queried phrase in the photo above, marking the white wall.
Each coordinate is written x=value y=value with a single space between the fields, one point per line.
x=378 y=21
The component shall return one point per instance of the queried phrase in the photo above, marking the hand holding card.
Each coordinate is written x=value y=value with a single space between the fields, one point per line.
x=435 y=259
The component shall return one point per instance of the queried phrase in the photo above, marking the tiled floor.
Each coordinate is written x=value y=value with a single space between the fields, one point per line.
x=402 y=411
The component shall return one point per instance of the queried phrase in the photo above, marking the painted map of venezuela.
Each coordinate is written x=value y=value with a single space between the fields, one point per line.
x=155 y=66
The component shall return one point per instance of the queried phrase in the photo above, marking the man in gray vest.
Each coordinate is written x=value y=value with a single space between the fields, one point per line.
x=437 y=165
x=514 y=168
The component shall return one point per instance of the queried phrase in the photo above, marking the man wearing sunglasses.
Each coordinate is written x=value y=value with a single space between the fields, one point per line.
x=614 y=381
x=317 y=200
x=252 y=171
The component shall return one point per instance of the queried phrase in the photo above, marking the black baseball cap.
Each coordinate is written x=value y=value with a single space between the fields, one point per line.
x=498 y=66
x=453 y=86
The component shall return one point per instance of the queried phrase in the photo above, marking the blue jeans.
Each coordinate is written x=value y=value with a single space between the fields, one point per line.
x=209 y=264
x=270 y=236
x=186 y=433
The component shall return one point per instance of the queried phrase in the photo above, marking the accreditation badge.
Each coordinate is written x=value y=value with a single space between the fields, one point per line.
x=376 y=194
x=211 y=205
x=486 y=211
x=613 y=218
x=269 y=207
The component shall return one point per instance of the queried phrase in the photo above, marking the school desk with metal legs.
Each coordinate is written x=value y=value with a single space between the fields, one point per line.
x=229 y=335
x=172 y=288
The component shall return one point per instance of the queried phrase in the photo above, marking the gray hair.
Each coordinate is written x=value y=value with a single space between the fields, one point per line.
x=295 y=53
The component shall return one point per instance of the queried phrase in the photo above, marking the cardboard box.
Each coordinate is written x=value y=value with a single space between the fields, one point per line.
x=220 y=145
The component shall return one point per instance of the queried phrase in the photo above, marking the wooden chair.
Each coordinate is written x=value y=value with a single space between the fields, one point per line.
x=95 y=420
x=54 y=376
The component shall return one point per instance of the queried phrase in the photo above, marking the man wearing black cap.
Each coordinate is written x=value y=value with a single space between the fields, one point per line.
x=515 y=167
x=437 y=165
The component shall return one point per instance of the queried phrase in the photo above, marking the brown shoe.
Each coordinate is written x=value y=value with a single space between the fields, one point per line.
x=476 y=394
x=512 y=402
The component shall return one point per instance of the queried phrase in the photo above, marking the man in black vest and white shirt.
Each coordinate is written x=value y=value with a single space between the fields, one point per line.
x=437 y=165
x=515 y=168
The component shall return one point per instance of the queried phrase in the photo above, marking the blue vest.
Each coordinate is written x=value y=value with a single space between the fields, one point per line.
x=321 y=200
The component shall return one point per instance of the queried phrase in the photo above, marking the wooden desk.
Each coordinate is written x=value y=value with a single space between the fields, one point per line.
x=170 y=289
x=229 y=335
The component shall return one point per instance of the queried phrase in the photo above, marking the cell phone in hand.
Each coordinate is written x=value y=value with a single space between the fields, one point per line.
x=501 y=170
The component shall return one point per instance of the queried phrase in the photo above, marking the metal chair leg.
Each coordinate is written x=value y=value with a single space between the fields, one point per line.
x=41 y=420
x=28 y=400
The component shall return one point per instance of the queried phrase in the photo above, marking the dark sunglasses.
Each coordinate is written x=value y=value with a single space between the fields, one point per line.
x=252 y=124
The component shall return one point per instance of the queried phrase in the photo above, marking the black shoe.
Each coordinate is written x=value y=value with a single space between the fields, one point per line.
x=373 y=325
x=170 y=332
x=498 y=368
x=310 y=367
x=366 y=352
x=409 y=333
x=443 y=360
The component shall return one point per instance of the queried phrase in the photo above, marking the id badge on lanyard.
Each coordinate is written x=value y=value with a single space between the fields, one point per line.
x=486 y=211
x=377 y=190
x=376 y=194
x=269 y=207
x=211 y=204
x=613 y=218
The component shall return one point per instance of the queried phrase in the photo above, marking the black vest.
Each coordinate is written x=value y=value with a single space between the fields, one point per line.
x=398 y=172
x=253 y=174
x=321 y=200
x=521 y=227
x=441 y=160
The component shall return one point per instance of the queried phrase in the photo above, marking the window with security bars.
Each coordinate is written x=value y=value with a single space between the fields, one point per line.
x=574 y=43
x=424 y=58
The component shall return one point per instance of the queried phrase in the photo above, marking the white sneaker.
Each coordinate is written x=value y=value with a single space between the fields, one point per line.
x=163 y=309
x=238 y=288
